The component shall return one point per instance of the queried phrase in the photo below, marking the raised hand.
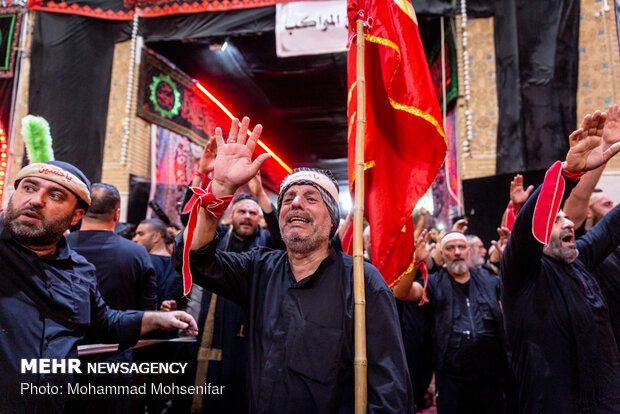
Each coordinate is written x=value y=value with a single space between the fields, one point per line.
x=611 y=132
x=461 y=225
x=233 y=164
x=518 y=195
x=586 y=152
x=256 y=185
x=207 y=158
x=500 y=244
x=422 y=252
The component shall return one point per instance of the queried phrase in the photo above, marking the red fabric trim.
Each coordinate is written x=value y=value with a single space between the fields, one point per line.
x=347 y=239
x=548 y=203
x=208 y=201
x=424 y=271
x=204 y=180
x=510 y=216
x=149 y=11
x=191 y=226
x=87 y=11
x=571 y=175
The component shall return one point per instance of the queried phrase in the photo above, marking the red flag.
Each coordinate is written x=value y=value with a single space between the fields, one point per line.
x=404 y=141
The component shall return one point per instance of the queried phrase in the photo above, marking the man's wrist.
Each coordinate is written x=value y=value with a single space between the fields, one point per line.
x=148 y=323
x=220 y=190
x=571 y=175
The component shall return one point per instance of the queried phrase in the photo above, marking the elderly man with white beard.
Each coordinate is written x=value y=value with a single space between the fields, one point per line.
x=564 y=355
x=470 y=350
x=299 y=301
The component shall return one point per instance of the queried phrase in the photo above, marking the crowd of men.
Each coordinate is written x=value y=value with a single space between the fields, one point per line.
x=532 y=328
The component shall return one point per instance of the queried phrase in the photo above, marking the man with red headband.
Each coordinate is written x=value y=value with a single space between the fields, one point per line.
x=299 y=301
x=49 y=299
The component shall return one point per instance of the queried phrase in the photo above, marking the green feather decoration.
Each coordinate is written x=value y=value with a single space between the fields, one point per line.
x=38 y=139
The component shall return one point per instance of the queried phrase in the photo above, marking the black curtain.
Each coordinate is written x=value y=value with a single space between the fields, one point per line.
x=70 y=85
x=536 y=50
x=548 y=64
x=485 y=208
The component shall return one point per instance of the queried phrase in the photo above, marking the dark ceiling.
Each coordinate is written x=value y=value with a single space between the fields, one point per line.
x=300 y=101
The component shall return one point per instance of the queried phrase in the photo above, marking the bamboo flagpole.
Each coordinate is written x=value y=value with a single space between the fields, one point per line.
x=360 y=363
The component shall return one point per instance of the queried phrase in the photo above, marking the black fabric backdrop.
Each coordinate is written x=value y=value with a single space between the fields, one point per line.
x=72 y=63
x=70 y=85
x=536 y=51
x=536 y=57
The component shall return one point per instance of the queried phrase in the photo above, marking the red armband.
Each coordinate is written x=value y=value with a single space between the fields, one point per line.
x=204 y=179
x=571 y=175
x=424 y=271
x=511 y=214
x=214 y=205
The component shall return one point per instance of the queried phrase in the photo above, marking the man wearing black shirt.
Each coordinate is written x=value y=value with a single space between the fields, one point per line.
x=126 y=280
x=470 y=348
x=49 y=298
x=125 y=275
x=564 y=355
x=299 y=302
x=223 y=353
x=153 y=235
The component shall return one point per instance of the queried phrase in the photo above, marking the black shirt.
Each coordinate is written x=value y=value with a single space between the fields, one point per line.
x=48 y=304
x=469 y=340
x=543 y=299
x=169 y=282
x=607 y=274
x=301 y=333
x=125 y=274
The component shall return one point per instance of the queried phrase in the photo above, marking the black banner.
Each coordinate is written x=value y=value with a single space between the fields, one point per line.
x=451 y=70
x=169 y=98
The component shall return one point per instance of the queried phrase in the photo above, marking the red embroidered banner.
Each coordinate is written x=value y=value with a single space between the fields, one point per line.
x=124 y=9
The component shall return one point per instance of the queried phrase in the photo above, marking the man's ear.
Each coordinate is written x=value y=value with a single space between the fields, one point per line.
x=78 y=213
x=117 y=216
x=156 y=237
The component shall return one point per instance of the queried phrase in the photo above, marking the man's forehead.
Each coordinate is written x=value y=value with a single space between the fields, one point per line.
x=247 y=204
x=603 y=200
x=47 y=184
x=454 y=242
x=301 y=188
x=143 y=227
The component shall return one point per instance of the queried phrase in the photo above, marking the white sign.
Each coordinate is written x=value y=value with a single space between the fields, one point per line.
x=311 y=27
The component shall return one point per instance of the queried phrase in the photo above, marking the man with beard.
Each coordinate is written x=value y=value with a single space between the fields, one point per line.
x=470 y=348
x=565 y=357
x=477 y=252
x=226 y=323
x=49 y=298
x=299 y=301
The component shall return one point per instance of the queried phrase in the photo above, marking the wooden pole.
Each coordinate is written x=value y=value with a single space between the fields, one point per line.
x=361 y=392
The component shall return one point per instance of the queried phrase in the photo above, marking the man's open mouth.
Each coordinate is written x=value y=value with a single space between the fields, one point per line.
x=568 y=238
x=31 y=214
